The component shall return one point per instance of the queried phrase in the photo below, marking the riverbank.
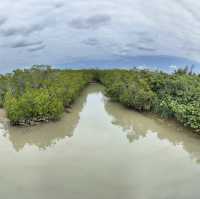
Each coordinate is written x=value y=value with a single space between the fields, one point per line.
x=2 y=114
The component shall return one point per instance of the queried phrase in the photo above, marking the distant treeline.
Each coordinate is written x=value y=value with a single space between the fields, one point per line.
x=42 y=93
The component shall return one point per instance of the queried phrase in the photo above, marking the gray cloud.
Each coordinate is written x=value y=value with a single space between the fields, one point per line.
x=190 y=9
x=131 y=45
x=2 y=20
x=59 y=5
x=144 y=36
x=115 y=28
x=21 y=29
x=23 y=43
x=91 y=42
x=37 y=48
x=146 y=40
x=146 y=48
x=138 y=45
x=92 y=22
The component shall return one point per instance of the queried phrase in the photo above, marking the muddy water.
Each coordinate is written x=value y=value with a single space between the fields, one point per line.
x=99 y=150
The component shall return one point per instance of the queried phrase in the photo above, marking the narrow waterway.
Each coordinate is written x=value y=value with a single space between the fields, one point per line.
x=100 y=150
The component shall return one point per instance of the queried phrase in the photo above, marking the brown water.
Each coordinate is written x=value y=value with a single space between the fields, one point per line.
x=100 y=151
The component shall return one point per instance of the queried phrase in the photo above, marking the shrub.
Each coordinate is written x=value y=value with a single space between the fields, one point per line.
x=176 y=96
x=40 y=93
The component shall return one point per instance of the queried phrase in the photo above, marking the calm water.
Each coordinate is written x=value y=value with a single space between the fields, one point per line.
x=99 y=151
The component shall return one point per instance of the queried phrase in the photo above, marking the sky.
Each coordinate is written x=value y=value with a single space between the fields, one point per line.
x=98 y=33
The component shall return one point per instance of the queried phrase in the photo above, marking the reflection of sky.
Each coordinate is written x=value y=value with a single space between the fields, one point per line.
x=138 y=127
x=99 y=33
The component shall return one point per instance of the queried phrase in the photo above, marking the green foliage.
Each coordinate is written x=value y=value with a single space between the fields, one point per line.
x=176 y=96
x=11 y=104
x=129 y=89
x=41 y=93
x=33 y=105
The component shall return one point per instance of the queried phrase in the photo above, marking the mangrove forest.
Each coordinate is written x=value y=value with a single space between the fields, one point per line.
x=43 y=93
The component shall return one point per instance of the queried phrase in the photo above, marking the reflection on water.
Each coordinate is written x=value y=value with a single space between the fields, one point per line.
x=138 y=125
x=99 y=150
x=47 y=134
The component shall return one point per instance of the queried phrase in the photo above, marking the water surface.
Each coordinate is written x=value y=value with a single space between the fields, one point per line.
x=100 y=150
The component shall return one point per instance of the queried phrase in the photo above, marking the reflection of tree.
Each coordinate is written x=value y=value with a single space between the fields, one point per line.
x=138 y=125
x=132 y=135
x=47 y=134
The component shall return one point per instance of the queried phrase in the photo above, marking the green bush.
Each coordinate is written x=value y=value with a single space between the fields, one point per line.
x=33 y=105
x=40 y=93
x=137 y=96
x=172 y=96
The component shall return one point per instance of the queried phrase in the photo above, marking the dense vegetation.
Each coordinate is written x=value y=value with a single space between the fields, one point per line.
x=172 y=96
x=42 y=93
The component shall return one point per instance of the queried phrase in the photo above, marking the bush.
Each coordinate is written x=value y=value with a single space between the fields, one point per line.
x=171 y=96
x=40 y=93
x=137 y=96
x=33 y=105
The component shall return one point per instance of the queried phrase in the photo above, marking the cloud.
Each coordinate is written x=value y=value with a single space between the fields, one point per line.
x=2 y=20
x=128 y=48
x=115 y=28
x=23 y=43
x=23 y=30
x=143 y=67
x=91 y=42
x=37 y=48
x=146 y=48
x=59 y=5
x=92 y=22
x=173 y=67
x=185 y=5
x=146 y=40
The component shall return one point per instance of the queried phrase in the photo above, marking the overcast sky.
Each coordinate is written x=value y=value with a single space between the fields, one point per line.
x=61 y=32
